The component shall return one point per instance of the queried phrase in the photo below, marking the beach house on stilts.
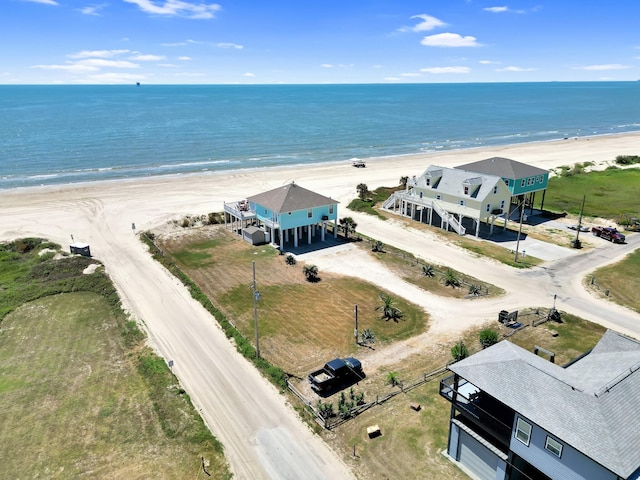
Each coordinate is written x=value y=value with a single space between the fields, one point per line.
x=285 y=215
x=448 y=197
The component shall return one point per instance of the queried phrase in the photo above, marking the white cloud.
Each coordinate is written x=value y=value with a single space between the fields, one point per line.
x=428 y=23
x=610 y=66
x=92 y=9
x=186 y=74
x=496 y=9
x=178 y=8
x=44 y=2
x=230 y=45
x=326 y=65
x=488 y=62
x=71 y=67
x=438 y=70
x=410 y=74
x=249 y=74
x=449 y=40
x=515 y=69
x=101 y=62
x=169 y=65
x=98 y=53
x=148 y=58
x=184 y=58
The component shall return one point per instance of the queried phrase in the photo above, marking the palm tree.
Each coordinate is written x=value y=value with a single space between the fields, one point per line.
x=310 y=273
x=377 y=246
x=459 y=351
x=450 y=279
x=389 y=310
x=348 y=226
x=363 y=191
x=368 y=337
x=428 y=271
x=403 y=181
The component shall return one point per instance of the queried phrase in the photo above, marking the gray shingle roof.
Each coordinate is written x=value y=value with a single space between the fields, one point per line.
x=503 y=167
x=290 y=198
x=591 y=405
x=451 y=181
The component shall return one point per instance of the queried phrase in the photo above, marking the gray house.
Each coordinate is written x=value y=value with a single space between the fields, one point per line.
x=515 y=415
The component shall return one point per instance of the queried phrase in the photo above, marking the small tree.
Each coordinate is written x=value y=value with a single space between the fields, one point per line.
x=363 y=191
x=459 y=351
x=403 y=181
x=428 y=271
x=310 y=273
x=488 y=337
x=388 y=309
x=450 y=279
x=348 y=225
x=290 y=260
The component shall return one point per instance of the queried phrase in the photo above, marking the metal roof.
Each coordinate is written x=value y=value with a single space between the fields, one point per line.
x=290 y=198
x=450 y=181
x=591 y=405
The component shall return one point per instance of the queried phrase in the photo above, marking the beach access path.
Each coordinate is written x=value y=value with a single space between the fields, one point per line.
x=262 y=435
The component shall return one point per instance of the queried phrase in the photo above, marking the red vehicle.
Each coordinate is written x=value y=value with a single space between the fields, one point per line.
x=608 y=233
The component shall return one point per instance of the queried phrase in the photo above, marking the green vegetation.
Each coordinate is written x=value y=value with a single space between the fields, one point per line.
x=621 y=280
x=459 y=351
x=627 y=159
x=488 y=337
x=609 y=193
x=368 y=203
x=80 y=393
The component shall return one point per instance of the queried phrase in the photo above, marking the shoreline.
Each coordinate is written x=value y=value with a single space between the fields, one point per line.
x=397 y=159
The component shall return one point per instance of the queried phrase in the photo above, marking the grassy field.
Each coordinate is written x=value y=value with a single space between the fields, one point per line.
x=80 y=394
x=301 y=324
x=621 y=280
x=609 y=193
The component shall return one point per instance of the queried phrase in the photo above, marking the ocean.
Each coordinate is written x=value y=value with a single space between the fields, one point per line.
x=67 y=134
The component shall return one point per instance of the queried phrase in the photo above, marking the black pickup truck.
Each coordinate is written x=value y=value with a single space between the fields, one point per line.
x=335 y=373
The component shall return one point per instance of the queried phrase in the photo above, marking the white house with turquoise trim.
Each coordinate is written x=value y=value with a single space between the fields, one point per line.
x=287 y=214
x=449 y=196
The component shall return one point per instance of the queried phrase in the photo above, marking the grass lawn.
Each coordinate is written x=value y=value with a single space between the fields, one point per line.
x=80 y=394
x=622 y=281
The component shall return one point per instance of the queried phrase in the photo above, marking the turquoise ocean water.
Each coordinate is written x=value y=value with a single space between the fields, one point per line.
x=64 y=134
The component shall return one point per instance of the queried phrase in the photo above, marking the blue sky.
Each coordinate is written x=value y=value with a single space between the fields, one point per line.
x=317 y=41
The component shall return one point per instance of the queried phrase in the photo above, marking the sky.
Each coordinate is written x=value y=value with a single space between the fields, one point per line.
x=317 y=41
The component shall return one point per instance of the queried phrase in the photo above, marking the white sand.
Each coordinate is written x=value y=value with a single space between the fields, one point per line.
x=261 y=435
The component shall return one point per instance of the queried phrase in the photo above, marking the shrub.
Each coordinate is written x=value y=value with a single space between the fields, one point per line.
x=459 y=351
x=428 y=271
x=290 y=260
x=488 y=337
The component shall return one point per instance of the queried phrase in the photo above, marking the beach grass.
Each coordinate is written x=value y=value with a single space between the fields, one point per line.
x=608 y=193
x=80 y=393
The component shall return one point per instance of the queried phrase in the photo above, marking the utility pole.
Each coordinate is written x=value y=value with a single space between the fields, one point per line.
x=520 y=228
x=576 y=242
x=256 y=297
x=355 y=313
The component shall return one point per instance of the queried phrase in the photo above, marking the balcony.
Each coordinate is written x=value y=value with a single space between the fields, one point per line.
x=490 y=417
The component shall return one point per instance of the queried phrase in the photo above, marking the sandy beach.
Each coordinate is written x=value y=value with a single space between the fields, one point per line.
x=103 y=214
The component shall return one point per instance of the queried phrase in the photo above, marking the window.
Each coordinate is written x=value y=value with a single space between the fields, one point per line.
x=428 y=180
x=530 y=181
x=522 y=183
x=495 y=189
x=488 y=207
x=330 y=209
x=502 y=205
x=420 y=194
x=523 y=431
x=553 y=446
x=466 y=190
x=462 y=203
x=506 y=181
x=438 y=197
x=310 y=213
